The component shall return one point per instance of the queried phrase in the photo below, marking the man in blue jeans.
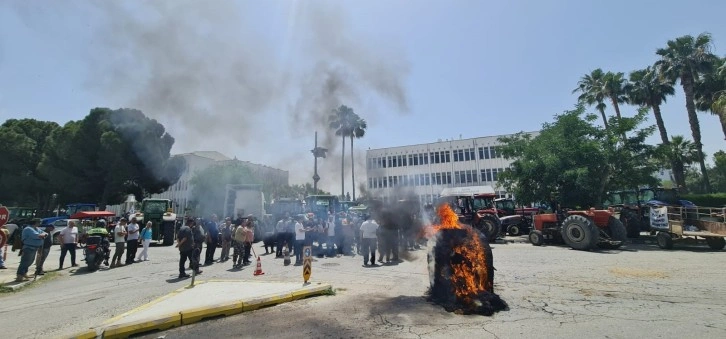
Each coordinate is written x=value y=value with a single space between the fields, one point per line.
x=32 y=237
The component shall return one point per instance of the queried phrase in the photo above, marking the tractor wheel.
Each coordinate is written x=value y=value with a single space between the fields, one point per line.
x=664 y=240
x=168 y=233
x=616 y=231
x=514 y=230
x=631 y=221
x=580 y=232
x=536 y=238
x=489 y=225
x=716 y=243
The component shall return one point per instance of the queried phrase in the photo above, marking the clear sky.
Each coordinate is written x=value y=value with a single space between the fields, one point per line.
x=418 y=71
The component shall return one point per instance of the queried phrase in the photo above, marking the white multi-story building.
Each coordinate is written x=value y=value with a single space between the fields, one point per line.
x=426 y=169
x=181 y=192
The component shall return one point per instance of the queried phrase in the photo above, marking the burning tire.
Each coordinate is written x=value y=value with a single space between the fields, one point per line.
x=489 y=225
x=616 y=231
x=664 y=240
x=536 y=238
x=580 y=232
x=716 y=243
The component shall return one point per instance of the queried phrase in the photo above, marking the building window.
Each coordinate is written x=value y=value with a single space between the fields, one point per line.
x=425 y=158
x=426 y=177
x=448 y=178
x=448 y=156
x=494 y=152
x=468 y=177
x=483 y=152
x=495 y=171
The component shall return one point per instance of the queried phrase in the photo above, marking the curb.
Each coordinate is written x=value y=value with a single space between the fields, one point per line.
x=190 y=316
x=12 y=286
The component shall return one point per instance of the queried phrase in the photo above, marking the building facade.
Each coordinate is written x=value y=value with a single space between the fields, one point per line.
x=181 y=192
x=426 y=169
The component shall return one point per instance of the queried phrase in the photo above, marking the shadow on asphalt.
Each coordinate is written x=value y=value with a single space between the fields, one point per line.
x=83 y=270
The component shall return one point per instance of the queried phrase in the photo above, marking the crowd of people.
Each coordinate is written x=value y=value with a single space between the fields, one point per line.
x=331 y=235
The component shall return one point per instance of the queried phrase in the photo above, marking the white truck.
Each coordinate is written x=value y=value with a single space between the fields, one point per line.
x=244 y=199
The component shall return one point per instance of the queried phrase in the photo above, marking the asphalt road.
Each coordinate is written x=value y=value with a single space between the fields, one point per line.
x=640 y=291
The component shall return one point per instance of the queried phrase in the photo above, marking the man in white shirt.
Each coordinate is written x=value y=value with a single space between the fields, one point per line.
x=368 y=239
x=119 y=236
x=69 y=242
x=132 y=241
x=299 y=239
x=330 y=227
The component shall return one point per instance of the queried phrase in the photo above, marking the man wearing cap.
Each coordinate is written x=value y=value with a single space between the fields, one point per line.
x=44 y=250
x=32 y=238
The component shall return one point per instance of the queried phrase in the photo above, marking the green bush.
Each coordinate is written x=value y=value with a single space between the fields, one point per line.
x=707 y=200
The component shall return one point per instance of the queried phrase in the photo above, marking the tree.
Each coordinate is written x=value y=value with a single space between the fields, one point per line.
x=209 y=186
x=358 y=130
x=680 y=153
x=647 y=89
x=342 y=120
x=109 y=154
x=22 y=142
x=578 y=161
x=613 y=87
x=684 y=59
x=590 y=87
x=710 y=91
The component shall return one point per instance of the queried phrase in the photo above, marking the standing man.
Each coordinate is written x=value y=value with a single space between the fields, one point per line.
x=132 y=241
x=32 y=238
x=299 y=239
x=249 y=238
x=198 y=236
x=185 y=244
x=119 y=237
x=280 y=230
x=330 y=228
x=4 y=238
x=226 y=231
x=146 y=235
x=44 y=250
x=69 y=242
x=212 y=239
x=368 y=239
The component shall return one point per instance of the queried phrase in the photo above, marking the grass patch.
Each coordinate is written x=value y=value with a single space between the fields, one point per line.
x=49 y=276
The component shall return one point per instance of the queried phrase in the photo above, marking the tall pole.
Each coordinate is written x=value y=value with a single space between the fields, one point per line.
x=316 y=177
x=318 y=152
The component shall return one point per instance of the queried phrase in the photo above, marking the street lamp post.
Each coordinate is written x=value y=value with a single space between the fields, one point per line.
x=318 y=152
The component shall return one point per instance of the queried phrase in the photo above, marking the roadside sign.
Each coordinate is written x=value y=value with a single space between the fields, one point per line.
x=4 y=215
x=307 y=263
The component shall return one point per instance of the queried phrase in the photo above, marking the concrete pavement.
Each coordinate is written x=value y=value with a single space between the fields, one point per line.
x=7 y=276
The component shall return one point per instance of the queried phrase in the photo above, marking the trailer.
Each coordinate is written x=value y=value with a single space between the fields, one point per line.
x=674 y=223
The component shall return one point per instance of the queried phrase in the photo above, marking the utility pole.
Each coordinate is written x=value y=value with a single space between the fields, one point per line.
x=318 y=152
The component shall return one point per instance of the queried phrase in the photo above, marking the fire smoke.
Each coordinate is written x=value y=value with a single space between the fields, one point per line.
x=217 y=82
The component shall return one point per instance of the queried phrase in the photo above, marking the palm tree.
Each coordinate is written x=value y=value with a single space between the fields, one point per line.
x=341 y=120
x=613 y=88
x=684 y=59
x=591 y=93
x=647 y=89
x=680 y=153
x=710 y=91
x=358 y=130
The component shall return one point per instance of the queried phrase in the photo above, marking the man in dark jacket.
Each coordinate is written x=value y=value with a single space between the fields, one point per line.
x=212 y=239
x=44 y=250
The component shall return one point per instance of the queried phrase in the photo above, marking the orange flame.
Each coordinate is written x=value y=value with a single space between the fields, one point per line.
x=470 y=275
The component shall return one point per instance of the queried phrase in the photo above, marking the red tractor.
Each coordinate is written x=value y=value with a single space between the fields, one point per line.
x=476 y=210
x=515 y=220
x=581 y=230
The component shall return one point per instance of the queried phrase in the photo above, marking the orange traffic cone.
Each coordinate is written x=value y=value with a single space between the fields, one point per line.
x=258 y=270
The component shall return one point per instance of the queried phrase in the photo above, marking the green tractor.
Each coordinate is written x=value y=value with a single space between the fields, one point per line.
x=159 y=212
